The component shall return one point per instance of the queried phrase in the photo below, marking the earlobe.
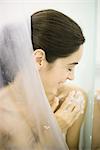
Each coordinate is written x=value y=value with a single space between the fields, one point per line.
x=39 y=56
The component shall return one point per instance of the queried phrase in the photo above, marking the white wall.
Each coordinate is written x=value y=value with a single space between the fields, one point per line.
x=98 y=34
x=97 y=73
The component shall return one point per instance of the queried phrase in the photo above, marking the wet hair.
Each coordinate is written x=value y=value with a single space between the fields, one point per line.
x=55 y=33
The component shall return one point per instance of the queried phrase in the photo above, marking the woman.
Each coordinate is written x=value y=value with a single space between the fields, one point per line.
x=58 y=45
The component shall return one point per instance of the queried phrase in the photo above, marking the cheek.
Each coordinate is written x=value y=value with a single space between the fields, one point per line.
x=53 y=79
x=58 y=76
x=62 y=74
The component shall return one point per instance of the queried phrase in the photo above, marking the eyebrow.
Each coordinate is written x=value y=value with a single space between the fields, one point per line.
x=75 y=63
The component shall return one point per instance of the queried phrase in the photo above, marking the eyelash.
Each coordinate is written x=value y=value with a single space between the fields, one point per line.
x=70 y=70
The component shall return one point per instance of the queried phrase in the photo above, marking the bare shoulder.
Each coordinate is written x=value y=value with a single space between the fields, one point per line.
x=4 y=106
x=14 y=127
x=3 y=117
x=5 y=99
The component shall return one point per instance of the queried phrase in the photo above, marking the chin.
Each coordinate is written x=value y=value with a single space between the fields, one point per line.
x=51 y=95
x=51 y=92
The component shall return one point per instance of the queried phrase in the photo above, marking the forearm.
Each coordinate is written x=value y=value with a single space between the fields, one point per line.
x=62 y=124
x=73 y=134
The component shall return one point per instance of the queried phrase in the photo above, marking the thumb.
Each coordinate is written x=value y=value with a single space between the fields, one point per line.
x=55 y=103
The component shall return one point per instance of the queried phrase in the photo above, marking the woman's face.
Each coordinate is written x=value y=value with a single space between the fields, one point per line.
x=53 y=75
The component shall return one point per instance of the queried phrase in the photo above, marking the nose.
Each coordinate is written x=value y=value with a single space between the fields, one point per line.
x=70 y=75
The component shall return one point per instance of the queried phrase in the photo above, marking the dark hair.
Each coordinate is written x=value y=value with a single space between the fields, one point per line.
x=55 y=33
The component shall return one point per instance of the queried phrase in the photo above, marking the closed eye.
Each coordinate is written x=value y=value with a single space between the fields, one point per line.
x=70 y=69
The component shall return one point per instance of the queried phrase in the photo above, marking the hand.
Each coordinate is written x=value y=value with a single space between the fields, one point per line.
x=69 y=111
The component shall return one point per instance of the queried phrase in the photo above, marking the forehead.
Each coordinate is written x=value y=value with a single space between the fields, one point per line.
x=74 y=58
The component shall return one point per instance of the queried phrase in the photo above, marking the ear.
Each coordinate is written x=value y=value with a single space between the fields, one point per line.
x=40 y=58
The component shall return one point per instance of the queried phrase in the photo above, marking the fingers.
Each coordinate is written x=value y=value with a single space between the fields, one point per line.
x=73 y=105
x=71 y=108
x=68 y=100
x=74 y=99
x=71 y=115
x=55 y=104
